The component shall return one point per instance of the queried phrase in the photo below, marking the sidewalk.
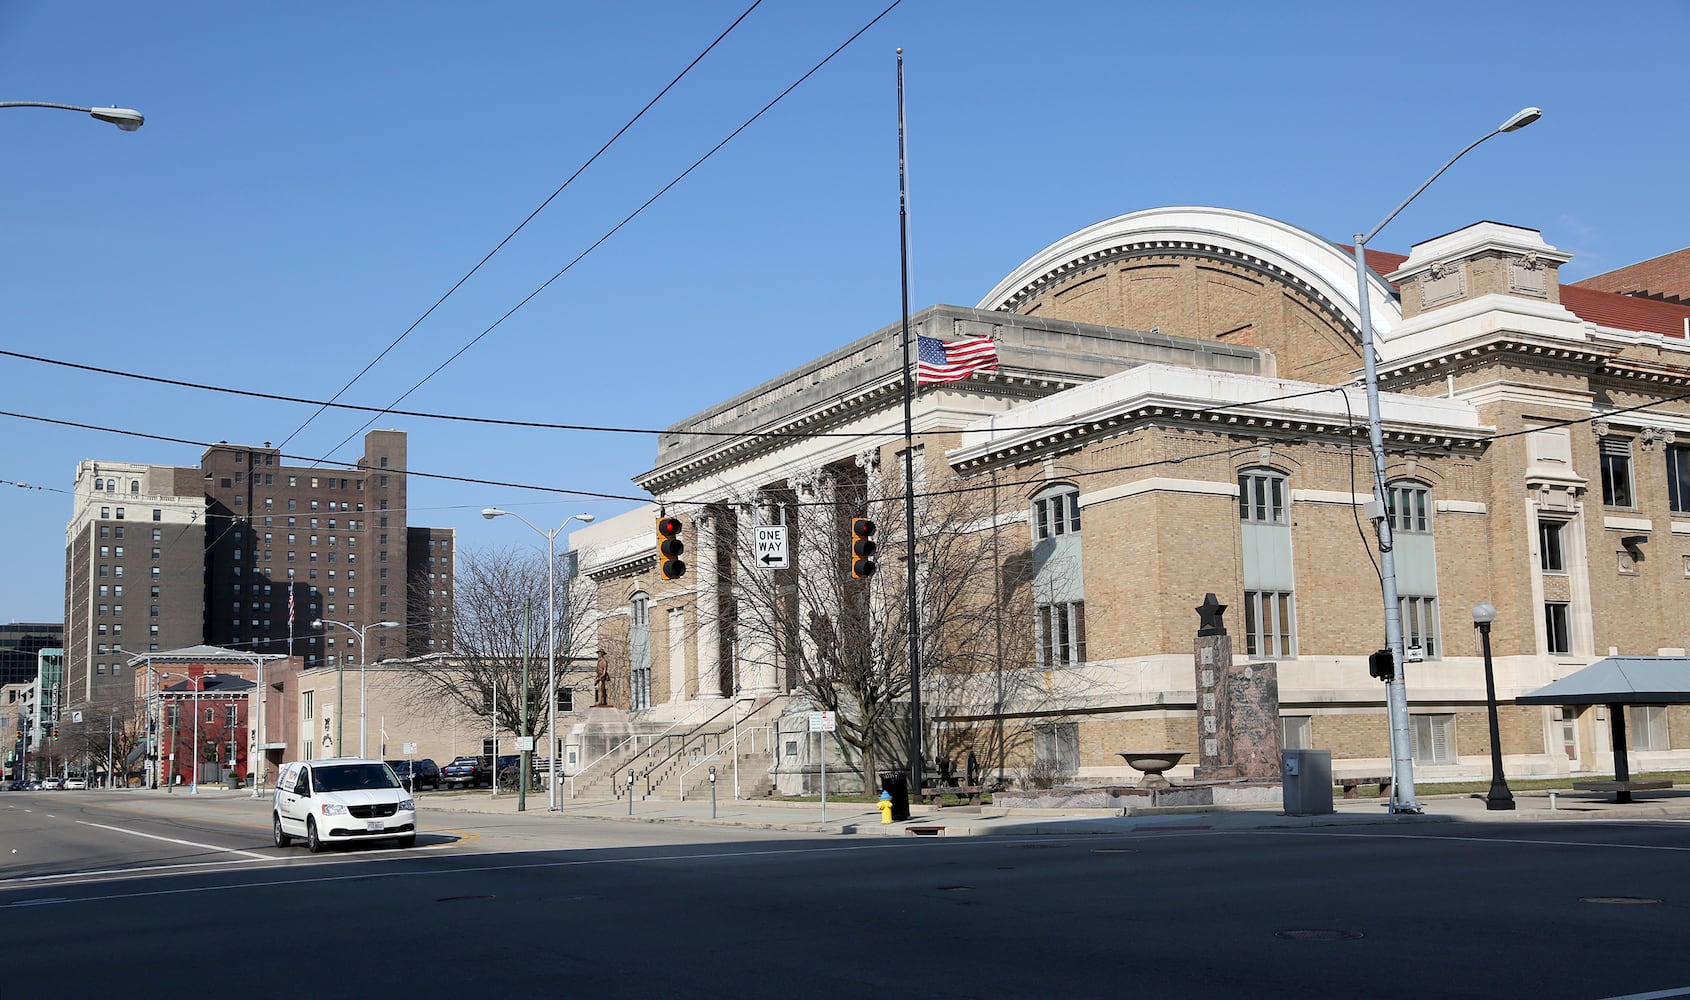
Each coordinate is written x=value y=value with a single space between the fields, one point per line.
x=863 y=819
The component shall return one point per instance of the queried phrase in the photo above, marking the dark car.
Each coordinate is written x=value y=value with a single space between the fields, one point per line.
x=467 y=772
x=417 y=774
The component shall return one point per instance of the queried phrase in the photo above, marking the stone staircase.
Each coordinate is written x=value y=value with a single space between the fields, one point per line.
x=661 y=767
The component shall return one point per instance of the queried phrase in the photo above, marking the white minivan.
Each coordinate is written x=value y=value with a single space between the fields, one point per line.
x=341 y=799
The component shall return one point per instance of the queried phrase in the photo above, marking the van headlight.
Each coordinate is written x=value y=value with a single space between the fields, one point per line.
x=333 y=809
x=406 y=805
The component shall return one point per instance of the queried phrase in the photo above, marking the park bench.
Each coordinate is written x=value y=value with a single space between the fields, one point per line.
x=1349 y=785
x=1622 y=789
x=935 y=793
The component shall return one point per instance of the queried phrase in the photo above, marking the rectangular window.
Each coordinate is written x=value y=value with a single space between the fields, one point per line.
x=1261 y=498
x=1061 y=634
x=1056 y=748
x=1648 y=724
x=1407 y=507
x=1556 y=628
x=1419 y=626
x=1678 y=478
x=1269 y=624
x=1432 y=739
x=1294 y=732
x=1550 y=553
x=1616 y=472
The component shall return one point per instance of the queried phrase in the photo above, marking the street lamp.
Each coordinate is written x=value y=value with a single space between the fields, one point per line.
x=1396 y=697
x=1499 y=797
x=551 y=639
x=127 y=119
x=340 y=680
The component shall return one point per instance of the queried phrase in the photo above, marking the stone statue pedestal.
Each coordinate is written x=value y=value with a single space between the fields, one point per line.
x=599 y=730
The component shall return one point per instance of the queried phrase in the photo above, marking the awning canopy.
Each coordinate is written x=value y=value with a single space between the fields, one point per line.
x=1619 y=680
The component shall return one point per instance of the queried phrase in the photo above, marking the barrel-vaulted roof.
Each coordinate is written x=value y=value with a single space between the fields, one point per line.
x=1298 y=256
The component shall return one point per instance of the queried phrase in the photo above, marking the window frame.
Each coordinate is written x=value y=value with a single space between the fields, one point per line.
x=1279 y=604
x=1552 y=545
x=1440 y=728
x=1415 y=519
x=1614 y=455
x=1558 y=625
x=1269 y=501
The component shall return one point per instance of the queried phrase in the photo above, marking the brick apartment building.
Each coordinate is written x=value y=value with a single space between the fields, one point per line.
x=245 y=552
x=1176 y=412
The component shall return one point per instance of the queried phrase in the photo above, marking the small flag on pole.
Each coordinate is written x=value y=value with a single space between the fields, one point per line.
x=938 y=361
x=290 y=609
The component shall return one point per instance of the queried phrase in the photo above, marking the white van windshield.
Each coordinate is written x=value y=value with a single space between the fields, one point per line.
x=351 y=777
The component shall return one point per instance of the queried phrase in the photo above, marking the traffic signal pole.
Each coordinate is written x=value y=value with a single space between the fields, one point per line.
x=913 y=609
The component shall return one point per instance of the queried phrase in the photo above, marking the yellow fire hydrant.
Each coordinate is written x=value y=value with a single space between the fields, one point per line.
x=886 y=807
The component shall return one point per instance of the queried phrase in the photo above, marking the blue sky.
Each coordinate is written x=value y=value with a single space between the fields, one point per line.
x=313 y=176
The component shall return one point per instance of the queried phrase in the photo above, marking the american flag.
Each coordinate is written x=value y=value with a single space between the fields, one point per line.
x=290 y=609
x=938 y=361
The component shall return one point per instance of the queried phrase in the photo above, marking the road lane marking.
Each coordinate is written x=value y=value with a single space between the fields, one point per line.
x=1482 y=840
x=179 y=843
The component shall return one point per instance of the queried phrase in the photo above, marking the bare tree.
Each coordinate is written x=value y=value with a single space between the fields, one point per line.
x=845 y=640
x=109 y=733
x=499 y=620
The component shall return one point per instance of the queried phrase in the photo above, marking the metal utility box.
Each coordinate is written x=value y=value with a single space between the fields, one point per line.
x=1308 y=781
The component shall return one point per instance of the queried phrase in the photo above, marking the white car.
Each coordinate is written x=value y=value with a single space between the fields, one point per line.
x=76 y=781
x=341 y=799
x=52 y=781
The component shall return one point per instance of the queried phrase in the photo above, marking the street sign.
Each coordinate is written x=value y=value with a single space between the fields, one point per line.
x=524 y=743
x=410 y=749
x=769 y=549
x=823 y=722
x=76 y=716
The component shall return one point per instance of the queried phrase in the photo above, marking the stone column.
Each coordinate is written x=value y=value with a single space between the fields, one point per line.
x=756 y=668
x=709 y=625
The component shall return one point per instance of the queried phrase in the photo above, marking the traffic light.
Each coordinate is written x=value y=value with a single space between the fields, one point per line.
x=863 y=548
x=1381 y=665
x=55 y=731
x=669 y=549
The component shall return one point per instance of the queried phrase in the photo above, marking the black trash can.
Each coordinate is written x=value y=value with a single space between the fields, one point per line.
x=234 y=780
x=897 y=785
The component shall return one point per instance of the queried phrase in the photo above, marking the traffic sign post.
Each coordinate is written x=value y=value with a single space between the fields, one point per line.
x=822 y=723
x=769 y=547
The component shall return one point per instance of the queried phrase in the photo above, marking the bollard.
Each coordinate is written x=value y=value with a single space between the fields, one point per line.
x=1551 y=801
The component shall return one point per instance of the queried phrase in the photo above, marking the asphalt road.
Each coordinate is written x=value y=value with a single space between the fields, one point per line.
x=143 y=897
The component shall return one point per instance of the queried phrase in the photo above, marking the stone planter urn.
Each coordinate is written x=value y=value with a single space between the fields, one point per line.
x=1152 y=763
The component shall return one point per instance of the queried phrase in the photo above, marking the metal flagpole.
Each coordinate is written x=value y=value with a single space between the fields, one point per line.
x=909 y=451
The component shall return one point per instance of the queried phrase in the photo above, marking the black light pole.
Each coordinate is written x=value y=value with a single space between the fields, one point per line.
x=913 y=609
x=1499 y=797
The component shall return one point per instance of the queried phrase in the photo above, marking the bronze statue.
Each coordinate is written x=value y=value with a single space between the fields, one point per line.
x=601 y=683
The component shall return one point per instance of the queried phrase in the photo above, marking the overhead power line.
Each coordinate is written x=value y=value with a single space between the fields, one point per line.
x=520 y=226
x=629 y=218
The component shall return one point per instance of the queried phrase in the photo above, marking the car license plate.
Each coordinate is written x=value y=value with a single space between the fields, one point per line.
x=375 y=824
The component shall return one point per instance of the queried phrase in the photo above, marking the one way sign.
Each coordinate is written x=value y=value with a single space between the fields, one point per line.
x=770 y=546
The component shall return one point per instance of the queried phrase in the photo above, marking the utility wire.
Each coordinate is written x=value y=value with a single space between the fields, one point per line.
x=512 y=234
x=602 y=429
x=629 y=218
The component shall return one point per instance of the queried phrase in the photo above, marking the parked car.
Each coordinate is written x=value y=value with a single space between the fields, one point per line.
x=341 y=799
x=52 y=781
x=467 y=772
x=76 y=782
x=24 y=785
x=416 y=774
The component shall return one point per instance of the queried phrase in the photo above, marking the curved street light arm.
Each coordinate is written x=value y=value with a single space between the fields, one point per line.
x=127 y=119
